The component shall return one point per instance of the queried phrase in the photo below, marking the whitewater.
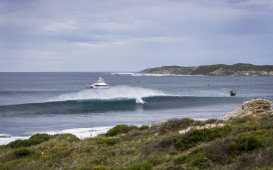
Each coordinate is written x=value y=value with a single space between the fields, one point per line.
x=116 y=92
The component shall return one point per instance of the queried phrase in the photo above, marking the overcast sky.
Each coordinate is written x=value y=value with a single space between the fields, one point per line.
x=131 y=35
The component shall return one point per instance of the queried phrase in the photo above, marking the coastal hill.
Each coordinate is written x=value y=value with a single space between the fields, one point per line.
x=217 y=70
x=242 y=140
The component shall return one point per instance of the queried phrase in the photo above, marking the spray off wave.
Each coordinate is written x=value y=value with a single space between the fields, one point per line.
x=116 y=92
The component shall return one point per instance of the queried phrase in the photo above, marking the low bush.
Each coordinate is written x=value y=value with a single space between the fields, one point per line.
x=245 y=142
x=143 y=127
x=258 y=159
x=120 y=129
x=33 y=140
x=218 y=151
x=110 y=141
x=174 y=125
x=21 y=152
x=39 y=138
x=246 y=124
x=18 y=143
x=248 y=142
x=103 y=140
x=3 y=167
x=66 y=137
x=99 y=139
x=198 y=160
x=159 y=145
x=201 y=135
x=267 y=122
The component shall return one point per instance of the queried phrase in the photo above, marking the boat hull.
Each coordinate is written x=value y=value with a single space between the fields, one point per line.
x=97 y=87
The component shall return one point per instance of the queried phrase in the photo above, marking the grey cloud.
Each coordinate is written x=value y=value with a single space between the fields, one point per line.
x=135 y=33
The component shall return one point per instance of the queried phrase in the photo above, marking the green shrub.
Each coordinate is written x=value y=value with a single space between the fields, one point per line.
x=110 y=141
x=141 y=166
x=66 y=137
x=248 y=142
x=267 y=122
x=18 y=143
x=120 y=129
x=174 y=125
x=201 y=135
x=245 y=142
x=3 y=166
x=103 y=140
x=33 y=140
x=158 y=145
x=21 y=152
x=99 y=139
x=39 y=138
x=166 y=141
x=2 y=147
x=144 y=127
x=218 y=151
x=198 y=160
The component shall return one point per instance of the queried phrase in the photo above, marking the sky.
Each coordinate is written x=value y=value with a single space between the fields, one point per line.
x=131 y=35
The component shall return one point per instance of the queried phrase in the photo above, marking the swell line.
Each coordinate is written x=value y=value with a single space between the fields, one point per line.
x=114 y=105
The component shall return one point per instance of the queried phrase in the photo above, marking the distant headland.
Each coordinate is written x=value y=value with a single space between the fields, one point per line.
x=240 y=69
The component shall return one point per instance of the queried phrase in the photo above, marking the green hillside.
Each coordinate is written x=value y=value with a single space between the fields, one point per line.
x=218 y=69
x=243 y=143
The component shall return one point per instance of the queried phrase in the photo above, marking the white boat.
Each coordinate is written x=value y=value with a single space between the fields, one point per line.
x=100 y=84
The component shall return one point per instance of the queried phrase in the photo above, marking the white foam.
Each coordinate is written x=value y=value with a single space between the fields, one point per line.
x=6 y=138
x=115 y=92
x=81 y=133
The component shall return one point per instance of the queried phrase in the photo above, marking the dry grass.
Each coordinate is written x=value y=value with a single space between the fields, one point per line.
x=246 y=143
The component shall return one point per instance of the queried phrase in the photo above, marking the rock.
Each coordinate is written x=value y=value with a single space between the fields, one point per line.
x=255 y=107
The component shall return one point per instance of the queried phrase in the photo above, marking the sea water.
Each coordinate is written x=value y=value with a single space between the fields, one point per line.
x=60 y=103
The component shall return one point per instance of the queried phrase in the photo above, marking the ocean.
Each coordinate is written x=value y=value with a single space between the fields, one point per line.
x=59 y=102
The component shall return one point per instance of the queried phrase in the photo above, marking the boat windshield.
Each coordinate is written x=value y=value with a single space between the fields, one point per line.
x=100 y=80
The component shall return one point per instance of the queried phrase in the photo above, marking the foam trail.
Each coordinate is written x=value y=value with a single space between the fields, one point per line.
x=6 y=138
x=82 y=133
x=116 y=92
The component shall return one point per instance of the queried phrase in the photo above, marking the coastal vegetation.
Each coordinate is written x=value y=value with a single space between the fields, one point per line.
x=243 y=142
x=218 y=69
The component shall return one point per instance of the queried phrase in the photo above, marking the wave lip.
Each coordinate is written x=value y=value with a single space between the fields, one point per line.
x=115 y=92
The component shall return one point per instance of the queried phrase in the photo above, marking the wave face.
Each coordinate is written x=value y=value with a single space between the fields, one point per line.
x=89 y=106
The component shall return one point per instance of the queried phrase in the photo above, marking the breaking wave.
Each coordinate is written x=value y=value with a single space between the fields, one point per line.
x=118 y=92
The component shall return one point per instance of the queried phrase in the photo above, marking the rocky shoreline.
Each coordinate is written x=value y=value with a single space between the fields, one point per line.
x=240 y=69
